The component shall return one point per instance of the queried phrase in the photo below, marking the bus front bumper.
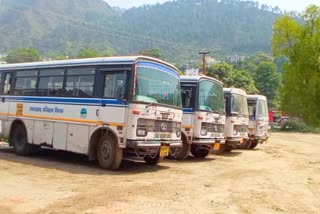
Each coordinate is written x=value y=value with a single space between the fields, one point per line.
x=152 y=144
x=210 y=141
x=236 y=141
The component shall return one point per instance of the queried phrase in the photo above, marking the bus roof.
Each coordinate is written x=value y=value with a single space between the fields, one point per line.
x=234 y=91
x=256 y=96
x=198 y=78
x=82 y=62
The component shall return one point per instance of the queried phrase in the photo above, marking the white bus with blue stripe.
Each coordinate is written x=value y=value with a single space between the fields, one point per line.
x=203 y=116
x=106 y=108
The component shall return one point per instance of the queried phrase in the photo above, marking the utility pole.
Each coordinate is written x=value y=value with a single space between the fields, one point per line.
x=204 y=53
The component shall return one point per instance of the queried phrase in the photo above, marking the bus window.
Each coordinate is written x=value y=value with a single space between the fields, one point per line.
x=262 y=108
x=79 y=82
x=187 y=96
x=26 y=82
x=115 y=85
x=7 y=84
x=252 y=109
x=51 y=83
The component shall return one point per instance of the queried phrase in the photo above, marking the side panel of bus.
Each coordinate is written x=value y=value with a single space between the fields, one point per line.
x=61 y=108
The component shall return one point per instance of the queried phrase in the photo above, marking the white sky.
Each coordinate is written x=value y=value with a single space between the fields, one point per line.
x=289 y=5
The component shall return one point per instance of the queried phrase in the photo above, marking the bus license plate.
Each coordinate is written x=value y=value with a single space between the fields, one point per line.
x=164 y=151
x=216 y=146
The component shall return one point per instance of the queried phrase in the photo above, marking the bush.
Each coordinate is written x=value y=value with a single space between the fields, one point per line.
x=295 y=125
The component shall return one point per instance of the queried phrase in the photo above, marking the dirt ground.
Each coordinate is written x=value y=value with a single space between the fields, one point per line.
x=282 y=176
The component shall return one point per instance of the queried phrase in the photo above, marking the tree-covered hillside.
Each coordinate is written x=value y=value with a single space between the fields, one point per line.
x=179 y=28
x=228 y=26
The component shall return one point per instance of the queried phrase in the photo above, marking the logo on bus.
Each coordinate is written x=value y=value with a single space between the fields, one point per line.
x=83 y=113
x=163 y=126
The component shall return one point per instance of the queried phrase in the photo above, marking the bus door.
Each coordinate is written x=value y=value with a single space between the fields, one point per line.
x=5 y=104
x=113 y=108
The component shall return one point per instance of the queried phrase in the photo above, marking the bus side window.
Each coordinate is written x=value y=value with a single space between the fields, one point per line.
x=115 y=85
x=187 y=95
x=26 y=82
x=51 y=82
x=80 y=82
x=7 y=84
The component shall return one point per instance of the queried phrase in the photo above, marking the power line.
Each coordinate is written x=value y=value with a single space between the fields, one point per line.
x=125 y=35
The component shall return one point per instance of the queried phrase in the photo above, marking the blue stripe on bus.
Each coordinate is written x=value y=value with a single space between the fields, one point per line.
x=188 y=110
x=161 y=67
x=66 y=100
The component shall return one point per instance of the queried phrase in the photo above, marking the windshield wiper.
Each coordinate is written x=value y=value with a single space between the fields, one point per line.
x=151 y=104
x=218 y=112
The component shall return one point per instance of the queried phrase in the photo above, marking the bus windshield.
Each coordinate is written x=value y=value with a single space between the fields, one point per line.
x=211 y=97
x=157 y=85
x=239 y=104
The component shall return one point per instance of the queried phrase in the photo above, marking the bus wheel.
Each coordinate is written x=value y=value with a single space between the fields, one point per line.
x=245 y=145
x=182 y=152
x=20 y=141
x=153 y=160
x=199 y=152
x=254 y=144
x=221 y=150
x=108 y=153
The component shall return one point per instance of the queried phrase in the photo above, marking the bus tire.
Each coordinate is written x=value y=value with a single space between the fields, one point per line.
x=153 y=160
x=109 y=155
x=182 y=152
x=245 y=145
x=20 y=141
x=221 y=150
x=254 y=144
x=199 y=151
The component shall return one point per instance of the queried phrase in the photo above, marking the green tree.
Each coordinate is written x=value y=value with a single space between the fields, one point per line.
x=109 y=52
x=242 y=79
x=88 y=53
x=267 y=79
x=232 y=77
x=220 y=71
x=154 y=52
x=23 y=55
x=300 y=44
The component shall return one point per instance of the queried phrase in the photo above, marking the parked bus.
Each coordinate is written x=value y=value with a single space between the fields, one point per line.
x=203 y=116
x=106 y=108
x=258 y=120
x=237 y=119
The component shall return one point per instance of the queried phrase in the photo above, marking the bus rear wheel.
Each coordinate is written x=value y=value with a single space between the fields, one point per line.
x=153 y=160
x=182 y=152
x=199 y=151
x=20 y=141
x=108 y=153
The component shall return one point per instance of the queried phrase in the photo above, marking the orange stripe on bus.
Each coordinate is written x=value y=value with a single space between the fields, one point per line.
x=186 y=127
x=62 y=119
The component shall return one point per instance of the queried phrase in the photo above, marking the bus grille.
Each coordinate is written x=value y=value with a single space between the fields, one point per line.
x=241 y=128
x=211 y=127
x=159 y=126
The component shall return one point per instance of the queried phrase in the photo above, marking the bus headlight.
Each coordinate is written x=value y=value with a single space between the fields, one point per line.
x=204 y=131
x=142 y=132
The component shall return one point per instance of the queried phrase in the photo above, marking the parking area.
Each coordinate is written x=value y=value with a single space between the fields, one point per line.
x=282 y=176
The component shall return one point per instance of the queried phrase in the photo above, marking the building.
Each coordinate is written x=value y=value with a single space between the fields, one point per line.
x=192 y=72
